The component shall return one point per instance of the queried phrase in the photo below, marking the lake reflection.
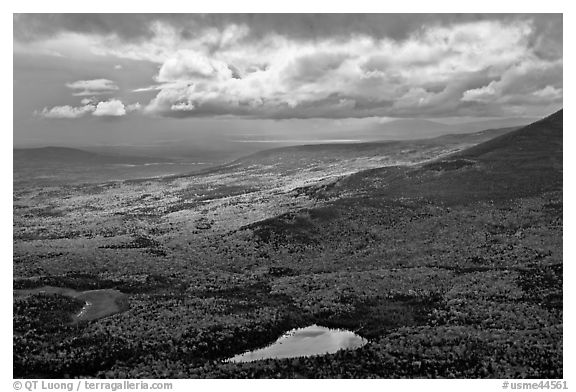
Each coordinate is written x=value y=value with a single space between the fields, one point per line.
x=305 y=342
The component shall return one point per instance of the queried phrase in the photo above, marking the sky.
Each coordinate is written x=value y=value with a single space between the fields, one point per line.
x=122 y=79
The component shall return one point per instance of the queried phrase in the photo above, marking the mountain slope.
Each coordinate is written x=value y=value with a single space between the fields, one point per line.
x=524 y=162
x=541 y=139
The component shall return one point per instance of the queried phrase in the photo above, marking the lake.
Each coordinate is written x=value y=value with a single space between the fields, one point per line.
x=305 y=342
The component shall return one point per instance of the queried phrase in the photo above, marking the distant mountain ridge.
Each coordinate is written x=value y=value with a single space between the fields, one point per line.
x=372 y=147
x=417 y=128
x=67 y=155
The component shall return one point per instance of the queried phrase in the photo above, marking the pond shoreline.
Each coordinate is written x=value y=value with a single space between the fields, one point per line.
x=304 y=342
x=97 y=303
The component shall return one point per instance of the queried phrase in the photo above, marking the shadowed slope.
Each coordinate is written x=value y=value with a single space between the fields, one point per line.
x=539 y=140
x=521 y=163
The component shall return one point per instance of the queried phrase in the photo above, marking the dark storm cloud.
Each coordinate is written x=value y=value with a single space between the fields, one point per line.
x=547 y=37
x=31 y=27
x=137 y=27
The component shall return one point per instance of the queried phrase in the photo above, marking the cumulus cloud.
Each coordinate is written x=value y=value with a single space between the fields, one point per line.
x=190 y=65
x=66 y=111
x=134 y=107
x=182 y=106
x=92 y=87
x=86 y=101
x=549 y=93
x=114 y=108
x=481 y=94
x=525 y=82
x=438 y=71
x=110 y=108
x=327 y=66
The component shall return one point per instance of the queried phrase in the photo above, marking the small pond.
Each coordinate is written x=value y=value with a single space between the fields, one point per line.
x=305 y=342
x=97 y=303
